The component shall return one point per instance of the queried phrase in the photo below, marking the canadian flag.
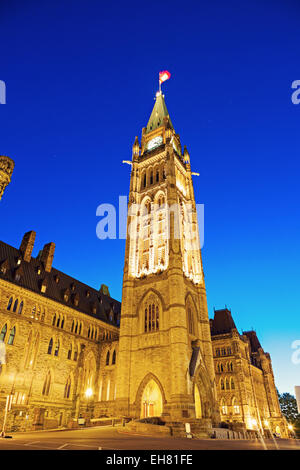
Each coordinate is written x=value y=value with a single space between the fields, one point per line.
x=163 y=76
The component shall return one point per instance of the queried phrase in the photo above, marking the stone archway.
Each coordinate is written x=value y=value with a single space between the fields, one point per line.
x=152 y=401
x=203 y=392
x=150 y=398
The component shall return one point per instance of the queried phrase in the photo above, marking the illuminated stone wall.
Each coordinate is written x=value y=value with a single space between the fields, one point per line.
x=246 y=393
x=28 y=361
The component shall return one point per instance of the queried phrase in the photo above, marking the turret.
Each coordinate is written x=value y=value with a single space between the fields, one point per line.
x=6 y=170
x=136 y=148
x=186 y=155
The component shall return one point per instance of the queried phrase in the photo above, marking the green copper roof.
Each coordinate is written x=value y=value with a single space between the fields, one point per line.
x=158 y=113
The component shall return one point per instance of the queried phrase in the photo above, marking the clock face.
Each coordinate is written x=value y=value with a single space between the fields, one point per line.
x=154 y=142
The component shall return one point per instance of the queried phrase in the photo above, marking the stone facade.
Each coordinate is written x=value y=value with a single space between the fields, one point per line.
x=245 y=381
x=64 y=353
x=50 y=350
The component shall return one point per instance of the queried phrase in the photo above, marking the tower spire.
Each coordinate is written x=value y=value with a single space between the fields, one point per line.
x=158 y=114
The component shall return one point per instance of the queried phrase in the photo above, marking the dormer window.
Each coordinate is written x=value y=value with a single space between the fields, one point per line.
x=66 y=295
x=88 y=294
x=73 y=287
x=19 y=261
x=43 y=286
x=56 y=279
x=76 y=300
x=38 y=270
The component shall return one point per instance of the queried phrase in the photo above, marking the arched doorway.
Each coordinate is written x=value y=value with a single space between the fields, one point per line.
x=198 y=407
x=152 y=402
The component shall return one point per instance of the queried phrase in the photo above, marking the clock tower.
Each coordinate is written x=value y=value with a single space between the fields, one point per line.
x=165 y=363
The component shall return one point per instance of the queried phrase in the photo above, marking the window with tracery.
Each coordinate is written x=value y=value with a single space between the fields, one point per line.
x=190 y=322
x=151 y=318
x=12 y=335
x=3 y=333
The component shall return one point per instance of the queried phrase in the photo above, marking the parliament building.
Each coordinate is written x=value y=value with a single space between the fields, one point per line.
x=69 y=351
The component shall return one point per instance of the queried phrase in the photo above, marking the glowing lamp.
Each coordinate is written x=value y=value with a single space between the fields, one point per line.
x=88 y=392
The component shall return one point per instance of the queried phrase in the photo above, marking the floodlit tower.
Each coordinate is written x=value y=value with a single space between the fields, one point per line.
x=165 y=364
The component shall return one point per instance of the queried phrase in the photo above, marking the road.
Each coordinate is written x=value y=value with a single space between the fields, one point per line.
x=110 y=438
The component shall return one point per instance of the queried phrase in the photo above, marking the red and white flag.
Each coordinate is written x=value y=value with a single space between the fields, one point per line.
x=163 y=76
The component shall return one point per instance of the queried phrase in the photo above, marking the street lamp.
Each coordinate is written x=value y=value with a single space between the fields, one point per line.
x=254 y=423
x=88 y=392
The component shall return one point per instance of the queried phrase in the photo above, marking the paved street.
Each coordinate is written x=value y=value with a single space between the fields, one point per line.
x=115 y=438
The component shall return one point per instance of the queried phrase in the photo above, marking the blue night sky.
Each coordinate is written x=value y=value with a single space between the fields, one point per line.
x=81 y=77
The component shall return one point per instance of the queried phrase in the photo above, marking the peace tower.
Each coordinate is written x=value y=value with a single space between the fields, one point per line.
x=165 y=364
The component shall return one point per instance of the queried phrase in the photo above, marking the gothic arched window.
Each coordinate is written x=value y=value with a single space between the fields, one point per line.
x=113 y=361
x=21 y=307
x=223 y=407
x=235 y=406
x=15 y=305
x=70 y=352
x=151 y=318
x=227 y=384
x=107 y=358
x=9 y=303
x=3 y=333
x=12 y=336
x=75 y=353
x=50 y=346
x=56 y=351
